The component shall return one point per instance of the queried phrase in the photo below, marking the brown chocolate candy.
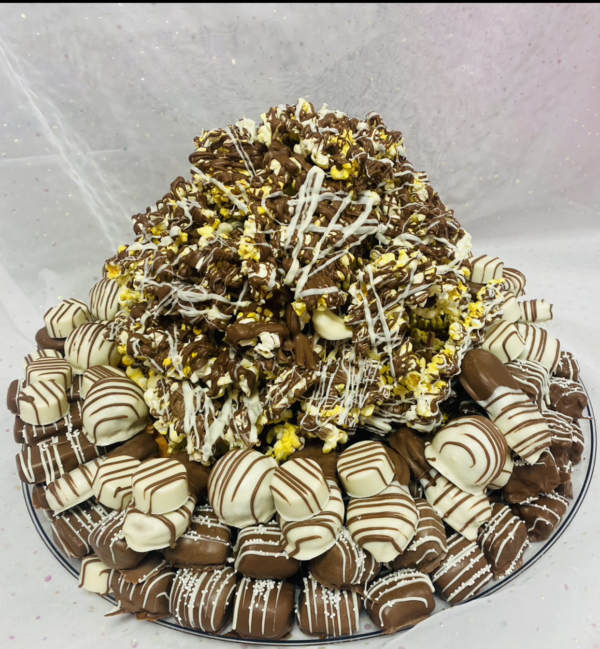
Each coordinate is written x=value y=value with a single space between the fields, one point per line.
x=148 y=600
x=428 y=547
x=400 y=599
x=568 y=367
x=565 y=468
x=411 y=448
x=141 y=447
x=148 y=567
x=71 y=529
x=327 y=613
x=542 y=515
x=259 y=553
x=482 y=372
x=198 y=474
x=35 y=434
x=530 y=480
x=568 y=397
x=45 y=341
x=503 y=540
x=401 y=469
x=313 y=450
x=205 y=545
x=12 y=396
x=463 y=572
x=263 y=609
x=38 y=497
x=562 y=428
x=109 y=544
x=578 y=446
x=203 y=600
x=345 y=565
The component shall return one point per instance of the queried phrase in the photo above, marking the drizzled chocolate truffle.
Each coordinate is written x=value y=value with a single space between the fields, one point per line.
x=530 y=480
x=568 y=367
x=260 y=553
x=263 y=609
x=327 y=613
x=345 y=565
x=149 y=600
x=428 y=547
x=463 y=572
x=399 y=600
x=503 y=540
x=578 y=446
x=568 y=397
x=204 y=545
x=71 y=529
x=109 y=544
x=203 y=600
x=542 y=515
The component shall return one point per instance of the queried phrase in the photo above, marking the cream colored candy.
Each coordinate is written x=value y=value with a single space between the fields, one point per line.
x=73 y=487
x=535 y=311
x=50 y=369
x=145 y=532
x=160 y=485
x=516 y=281
x=112 y=483
x=104 y=300
x=42 y=403
x=330 y=326
x=485 y=269
x=114 y=410
x=503 y=340
x=94 y=575
x=63 y=318
x=511 y=312
x=40 y=353
x=385 y=524
x=365 y=469
x=540 y=346
x=97 y=373
x=87 y=346
x=305 y=540
x=299 y=489
x=470 y=452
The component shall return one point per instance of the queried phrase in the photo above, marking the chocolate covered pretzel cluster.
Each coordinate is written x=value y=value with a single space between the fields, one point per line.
x=298 y=394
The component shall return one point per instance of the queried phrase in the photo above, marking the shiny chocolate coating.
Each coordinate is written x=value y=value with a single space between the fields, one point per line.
x=530 y=480
x=71 y=529
x=148 y=600
x=542 y=515
x=260 y=553
x=45 y=341
x=108 y=543
x=568 y=397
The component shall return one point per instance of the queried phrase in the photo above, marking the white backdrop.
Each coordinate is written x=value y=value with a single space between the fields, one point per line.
x=99 y=105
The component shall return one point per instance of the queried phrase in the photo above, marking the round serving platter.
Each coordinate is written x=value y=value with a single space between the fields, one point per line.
x=581 y=478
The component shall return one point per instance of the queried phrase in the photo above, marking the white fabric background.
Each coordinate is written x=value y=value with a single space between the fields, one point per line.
x=98 y=107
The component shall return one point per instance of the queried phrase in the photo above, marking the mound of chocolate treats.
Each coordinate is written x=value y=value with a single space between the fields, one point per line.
x=297 y=395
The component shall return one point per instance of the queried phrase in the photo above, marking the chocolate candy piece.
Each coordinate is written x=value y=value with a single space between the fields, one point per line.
x=205 y=545
x=104 y=300
x=516 y=281
x=491 y=384
x=568 y=367
x=42 y=403
x=540 y=346
x=565 y=468
x=399 y=600
x=530 y=480
x=401 y=470
x=114 y=411
x=40 y=353
x=71 y=530
x=54 y=457
x=327 y=613
x=305 y=540
x=45 y=342
x=463 y=572
x=505 y=474
x=470 y=452
x=108 y=542
x=203 y=600
x=562 y=430
x=259 y=553
x=146 y=568
x=63 y=318
x=578 y=446
x=428 y=547
x=73 y=487
x=504 y=341
x=35 y=434
x=535 y=311
x=239 y=488
x=149 y=600
x=503 y=540
x=568 y=398
x=39 y=500
x=384 y=524
x=12 y=396
x=365 y=469
x=485 y=268
x=50 y=369
x=141 y=447
x=112 y=484
x=88 y=345
x=159 y=486
x=313 y=450
x=145 y=532
x=197 y=474
x=299 y=489
x=94 y=575
x=263 y=609
x=345 y=565
x=533 y=378
x=97 y=373
x=542 y=515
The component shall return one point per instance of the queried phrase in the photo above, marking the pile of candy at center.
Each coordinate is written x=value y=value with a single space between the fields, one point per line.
x=298 y=393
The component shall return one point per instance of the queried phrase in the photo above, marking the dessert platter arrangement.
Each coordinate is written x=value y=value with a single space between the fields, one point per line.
x=297 y=400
